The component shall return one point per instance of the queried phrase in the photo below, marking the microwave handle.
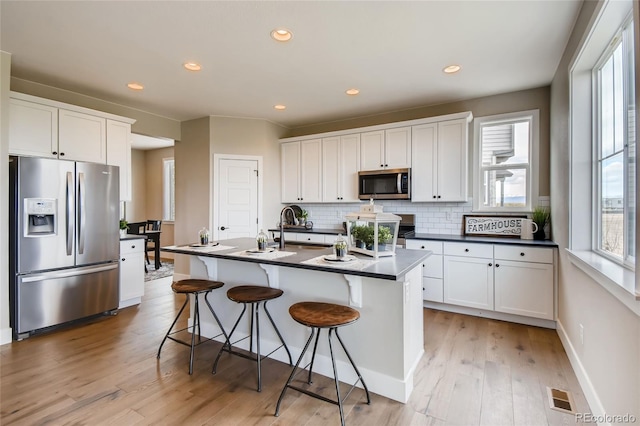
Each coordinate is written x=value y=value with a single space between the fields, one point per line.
x=399 y=183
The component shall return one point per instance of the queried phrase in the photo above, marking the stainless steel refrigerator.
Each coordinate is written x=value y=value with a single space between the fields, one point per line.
x=64 y=242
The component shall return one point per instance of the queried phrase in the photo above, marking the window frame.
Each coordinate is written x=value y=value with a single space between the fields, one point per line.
x=531 y=168
x=618 y=40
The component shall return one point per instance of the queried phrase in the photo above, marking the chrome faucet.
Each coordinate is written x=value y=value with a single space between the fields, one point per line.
x=282 y=224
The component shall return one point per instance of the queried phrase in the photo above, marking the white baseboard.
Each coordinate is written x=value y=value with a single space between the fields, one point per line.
x=536 y=322
x=6 y=336
x=583 y=378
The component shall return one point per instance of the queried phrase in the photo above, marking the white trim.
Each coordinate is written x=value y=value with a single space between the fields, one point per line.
x=533 y=167
x=467 y=115
x=5 y=336
x=486 y=313
x=616 y=279
x=597 y=409
x=215 y=190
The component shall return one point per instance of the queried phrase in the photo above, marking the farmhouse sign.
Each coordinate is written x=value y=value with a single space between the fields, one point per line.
x=495 y=226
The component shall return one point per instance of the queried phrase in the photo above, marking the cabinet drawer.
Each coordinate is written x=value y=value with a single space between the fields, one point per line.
x=132 y=246
x=523 y=254
x=310 y=238
x=468 y=249
x=432 y=266
x=432 y=290
x=434 y=246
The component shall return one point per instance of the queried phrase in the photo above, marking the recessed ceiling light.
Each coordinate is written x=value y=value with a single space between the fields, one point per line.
x=451 y=69
x=352 y=92
x=192 y=66
x=135 y=86
x=281 y=34
x=280 y=107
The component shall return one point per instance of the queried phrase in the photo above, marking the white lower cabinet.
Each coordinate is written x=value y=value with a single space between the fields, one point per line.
x=503 y=278
x=523 y=287
x=468 y=281
x=131 y=272
x=432 y=269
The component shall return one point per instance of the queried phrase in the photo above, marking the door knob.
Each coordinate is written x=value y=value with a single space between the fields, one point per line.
x=222 y=228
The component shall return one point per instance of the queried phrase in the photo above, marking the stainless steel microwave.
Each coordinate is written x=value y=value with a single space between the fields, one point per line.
x=392 y=184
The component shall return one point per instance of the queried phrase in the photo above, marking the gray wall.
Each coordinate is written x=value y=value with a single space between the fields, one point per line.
x=610 y=355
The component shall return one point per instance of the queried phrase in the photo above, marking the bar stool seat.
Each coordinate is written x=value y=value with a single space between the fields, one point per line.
x=195 y=287
x=253 y=295
x=319 y=315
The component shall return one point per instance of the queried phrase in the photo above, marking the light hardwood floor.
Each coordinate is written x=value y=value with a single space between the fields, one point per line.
x=474 y=372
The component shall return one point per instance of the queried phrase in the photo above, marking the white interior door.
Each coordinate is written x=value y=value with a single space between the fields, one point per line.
x=237 y=198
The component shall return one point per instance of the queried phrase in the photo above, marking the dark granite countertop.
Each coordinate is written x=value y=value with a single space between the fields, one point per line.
x=490 y=240
x=133 y=237
x=387 y=268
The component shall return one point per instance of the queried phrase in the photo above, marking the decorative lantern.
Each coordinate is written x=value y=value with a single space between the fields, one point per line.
x=373 y=234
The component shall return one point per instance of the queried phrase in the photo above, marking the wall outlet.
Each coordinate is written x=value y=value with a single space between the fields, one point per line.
x=581 y=334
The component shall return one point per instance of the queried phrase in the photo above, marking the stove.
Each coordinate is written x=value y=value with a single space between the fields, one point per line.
x=407 y=228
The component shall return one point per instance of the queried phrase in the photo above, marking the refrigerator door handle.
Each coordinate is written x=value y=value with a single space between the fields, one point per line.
x=81 y=212
x=68 y=273
x=69 y=208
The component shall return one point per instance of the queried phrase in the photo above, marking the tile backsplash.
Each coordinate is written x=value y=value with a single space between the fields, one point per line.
x=431 y=218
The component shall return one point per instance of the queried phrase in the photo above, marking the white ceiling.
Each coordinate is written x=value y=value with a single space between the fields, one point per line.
x=393 y=51
x=144 y=142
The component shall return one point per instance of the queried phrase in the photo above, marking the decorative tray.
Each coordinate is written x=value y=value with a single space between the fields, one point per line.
x=203 y=245
x=256 y=251
x=333 y=259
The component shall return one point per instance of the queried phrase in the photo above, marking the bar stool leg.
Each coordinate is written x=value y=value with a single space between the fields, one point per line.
x=258 y=346
x=172 y=325
x=353 y=364
x=196 y=322
x=214 y=314
x=278 y=333
x=335 y=375
x=293 y=372
x=251 y=328
x=228 y=340
x=313 y=356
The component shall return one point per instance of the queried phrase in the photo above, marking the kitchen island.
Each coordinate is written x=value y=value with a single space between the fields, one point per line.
x=386 y=343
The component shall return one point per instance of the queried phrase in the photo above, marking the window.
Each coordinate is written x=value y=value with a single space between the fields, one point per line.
x=614 y=150
x=505 y=159
x=168 y=189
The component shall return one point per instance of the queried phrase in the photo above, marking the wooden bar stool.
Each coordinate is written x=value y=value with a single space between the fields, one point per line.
x=319 y=315
x=194 y=287
x=253 y=295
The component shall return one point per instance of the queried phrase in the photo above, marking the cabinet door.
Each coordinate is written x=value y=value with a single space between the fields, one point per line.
x=397 y=148
x=432 y=289
x=82 y=137
x=311 y=171
x=119 y=154
x=468 y=281
x=331 y=169
x=524 y=288
x=290 y=169
x=452 y=161
x=349 y=167
x=131 y=269
x=424 y=165
x=372 y=150
x=33 y=129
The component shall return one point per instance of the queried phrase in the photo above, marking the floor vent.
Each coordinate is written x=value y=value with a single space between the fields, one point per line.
x=560 y=400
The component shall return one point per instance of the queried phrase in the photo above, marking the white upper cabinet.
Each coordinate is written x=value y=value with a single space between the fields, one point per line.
x=301 y=171
x=119 y=154
x=439 y=164
x=44 y=128
x=82 y=137
x=386 y=149
x=340 y=166
x=33 y=129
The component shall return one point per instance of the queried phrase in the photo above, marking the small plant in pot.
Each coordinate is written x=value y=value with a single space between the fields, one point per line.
x=362 y=234
x=384 y=237
x=340 y=247
x=124 y=226
x=302 y=217
x=541 y=217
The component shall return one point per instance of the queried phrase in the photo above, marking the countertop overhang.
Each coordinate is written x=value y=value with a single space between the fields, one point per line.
x=387 y=268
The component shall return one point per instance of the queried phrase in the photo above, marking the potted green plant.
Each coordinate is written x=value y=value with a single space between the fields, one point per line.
x=302 y=217
x=541 y=217
x=124 y=225
x=363 y=235
x=384 y=237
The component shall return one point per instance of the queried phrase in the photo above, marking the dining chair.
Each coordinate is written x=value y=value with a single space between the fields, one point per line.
x=151 y=225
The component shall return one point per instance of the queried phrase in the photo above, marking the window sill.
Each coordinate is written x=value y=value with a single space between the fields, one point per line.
x=617 y=280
